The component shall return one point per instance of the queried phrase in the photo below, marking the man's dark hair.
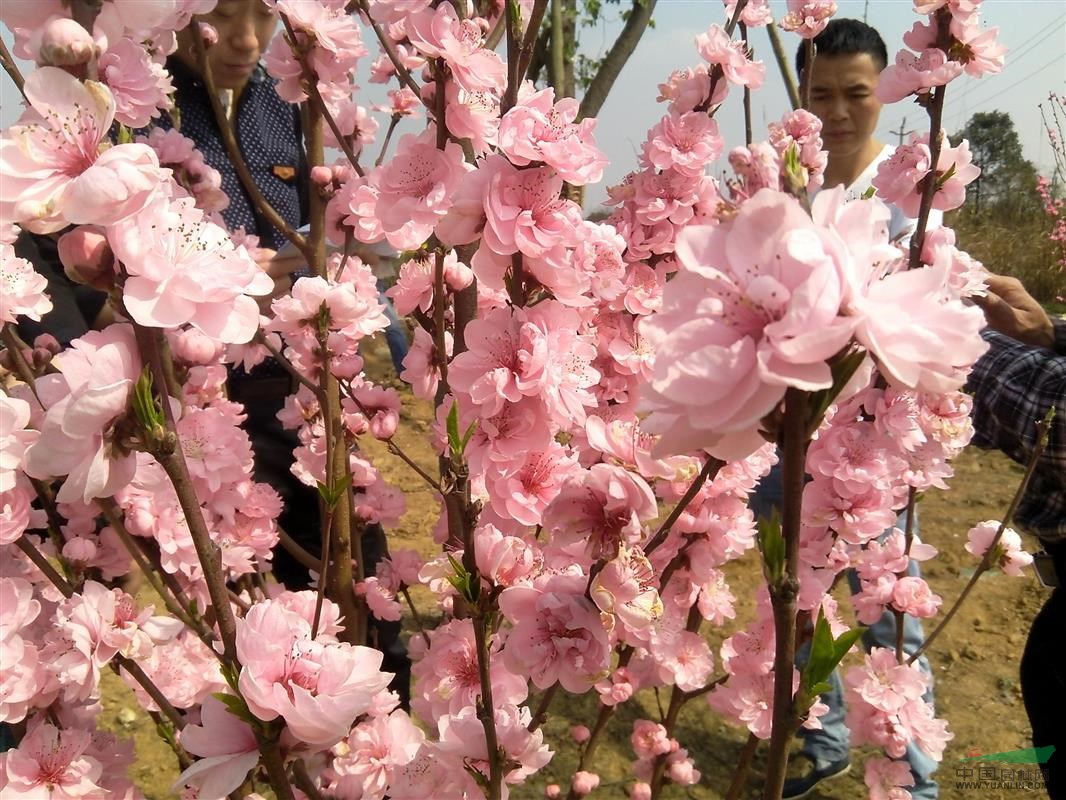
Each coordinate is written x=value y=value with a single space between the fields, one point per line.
x=845 y=37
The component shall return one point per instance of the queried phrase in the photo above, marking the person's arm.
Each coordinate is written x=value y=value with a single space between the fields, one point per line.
x=1013 y=386
x=1012 y=311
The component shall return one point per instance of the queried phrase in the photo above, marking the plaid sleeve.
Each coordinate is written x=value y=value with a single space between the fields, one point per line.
x=1013 y=386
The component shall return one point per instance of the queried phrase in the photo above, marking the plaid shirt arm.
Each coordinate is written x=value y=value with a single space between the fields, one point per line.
x=1013 y=386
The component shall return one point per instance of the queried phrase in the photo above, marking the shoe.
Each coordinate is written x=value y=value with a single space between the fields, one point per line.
x=810 y=773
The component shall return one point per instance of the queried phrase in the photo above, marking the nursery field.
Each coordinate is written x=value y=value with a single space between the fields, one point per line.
x=975 y=662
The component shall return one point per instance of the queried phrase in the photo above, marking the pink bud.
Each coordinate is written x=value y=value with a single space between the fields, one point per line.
x=47 y=341
x=383 y=424
x=552 y=791
x=579 y=733
x=584 y=782
x=640 y=791
x=65 y=43
x=87 y=257
x=41 y=358
x=79 y=550
x=195 y=347
x=321 y=175
x=208 y=34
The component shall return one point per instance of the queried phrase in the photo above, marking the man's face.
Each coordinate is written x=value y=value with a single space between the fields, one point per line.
x=245 y=28
x=842 y=97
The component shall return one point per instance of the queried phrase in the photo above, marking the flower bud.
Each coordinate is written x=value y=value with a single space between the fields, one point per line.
x=47 y=341
x=195 y=347
x=208 y=34
x=552 y=791
x=79 y=550
x=65 y=43
x=584 y=782
x=87 y=257
x=321 y=175
x=579 y=733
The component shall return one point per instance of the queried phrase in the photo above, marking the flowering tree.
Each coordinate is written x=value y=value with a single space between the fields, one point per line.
x=588 y=379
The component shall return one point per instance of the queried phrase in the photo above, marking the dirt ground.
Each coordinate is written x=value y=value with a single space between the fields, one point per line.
x=975 y=662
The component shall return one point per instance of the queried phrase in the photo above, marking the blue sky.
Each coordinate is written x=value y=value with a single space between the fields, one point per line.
x=1033 y=30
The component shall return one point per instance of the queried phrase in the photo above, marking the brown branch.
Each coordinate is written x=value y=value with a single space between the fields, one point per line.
x=710 y=470
x=616 y=58
x=783 y=65
x=12 y=70
x=311 y=84
x=22 y=368
x=403 y=74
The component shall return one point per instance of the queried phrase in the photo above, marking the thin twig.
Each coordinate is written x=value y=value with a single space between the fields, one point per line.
x=414 y=613
x=403 y=74
x=710 y=469
x=12 y=69
x=986 y=562
x=22 y=368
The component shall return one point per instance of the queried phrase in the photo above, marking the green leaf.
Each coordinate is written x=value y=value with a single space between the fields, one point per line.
x=463 y=581
x=147 y=409
x=237 y=707
x=772 y=546
x=868 y=193
x=453 y=430
x=826 y=655
x=842 y=367
x=332 y=494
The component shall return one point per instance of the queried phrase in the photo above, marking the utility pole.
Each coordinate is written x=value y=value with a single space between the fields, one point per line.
x=902 y=131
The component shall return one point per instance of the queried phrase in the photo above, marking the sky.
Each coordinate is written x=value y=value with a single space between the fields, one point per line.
x=1034 y=32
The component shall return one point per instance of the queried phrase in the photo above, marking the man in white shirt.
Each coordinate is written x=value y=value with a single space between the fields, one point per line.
x=842 y=80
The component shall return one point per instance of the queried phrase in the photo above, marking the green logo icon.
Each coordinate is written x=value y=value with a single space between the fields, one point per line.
x=1030 y=755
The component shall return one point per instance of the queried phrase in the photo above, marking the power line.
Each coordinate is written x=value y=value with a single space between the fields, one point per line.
x=1006 y=89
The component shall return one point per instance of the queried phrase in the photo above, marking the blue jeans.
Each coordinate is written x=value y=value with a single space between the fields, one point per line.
x=833 y=741
x=396 y=333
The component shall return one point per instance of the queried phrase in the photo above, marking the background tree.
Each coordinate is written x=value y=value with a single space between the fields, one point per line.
x=1007 y=177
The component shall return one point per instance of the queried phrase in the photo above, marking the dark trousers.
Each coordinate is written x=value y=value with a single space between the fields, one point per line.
x=1043 y=674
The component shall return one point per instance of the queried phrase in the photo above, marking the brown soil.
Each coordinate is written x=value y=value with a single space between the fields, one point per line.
x=975 y=662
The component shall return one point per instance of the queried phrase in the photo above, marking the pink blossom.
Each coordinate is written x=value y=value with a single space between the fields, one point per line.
x=1008 y=554
x=746 y=699
x=540 y=129
x=462 y=737
x=22 y=288
x=20 y=683
x=415 y=187
x=189 y=169
x=523 y=491
x=685 y=142
x=367 y=762
x=96 y=377
x=584 y=782
x=912 y=596
x=603 y=507
x=526 y=214
x=741 y=323
x=141 y=87
x=976 y=47
x=474 y=116
x=447 y=678
x=185 y=269
x=557 y=634
x=756 y=13
x=916 y=74
x=626 y=589
x=690 y=88
x=885 y=779
x=15 y=438
x=503 y=560
x=650 y=739
x=53 y=167
x=65 y=43
x=899 y=177
x=50 y=763
x=808 y=18
x=319 y=686
x=439 y=33
x=226 y=748
x=717 y=48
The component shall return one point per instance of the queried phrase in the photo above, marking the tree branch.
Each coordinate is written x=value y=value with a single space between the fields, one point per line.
x=616 y=58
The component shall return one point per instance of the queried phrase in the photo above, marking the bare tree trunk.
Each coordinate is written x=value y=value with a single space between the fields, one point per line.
x=616 y=58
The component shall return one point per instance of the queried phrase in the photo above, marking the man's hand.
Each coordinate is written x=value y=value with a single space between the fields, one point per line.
x=1012 y=311
x=280 y=270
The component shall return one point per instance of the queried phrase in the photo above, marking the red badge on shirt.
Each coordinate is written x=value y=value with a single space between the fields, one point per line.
x=284 y=172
